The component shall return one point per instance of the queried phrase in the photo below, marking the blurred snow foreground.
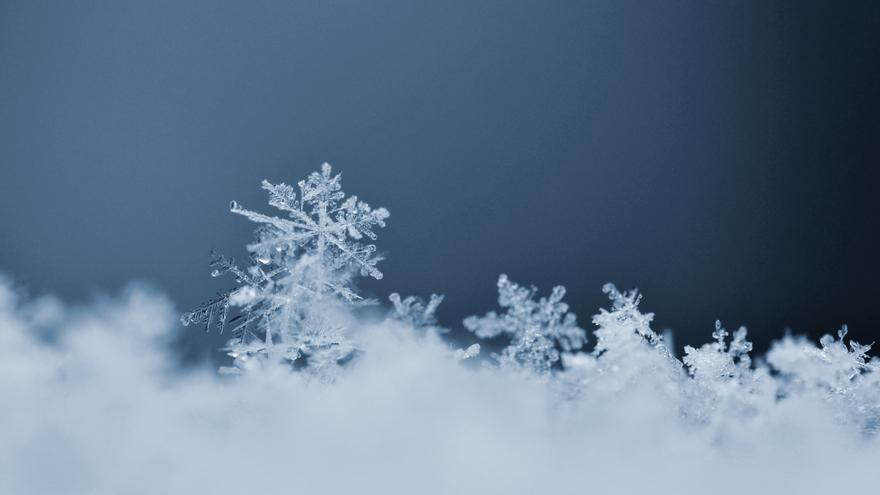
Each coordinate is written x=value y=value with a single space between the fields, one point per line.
x=321 y=400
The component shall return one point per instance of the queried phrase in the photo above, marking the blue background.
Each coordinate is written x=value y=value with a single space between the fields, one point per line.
x=718 y=155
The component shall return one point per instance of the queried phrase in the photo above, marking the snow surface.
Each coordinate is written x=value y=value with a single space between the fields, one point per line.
x=93 y=403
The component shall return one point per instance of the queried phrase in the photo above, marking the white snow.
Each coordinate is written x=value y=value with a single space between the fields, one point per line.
x=92 y=403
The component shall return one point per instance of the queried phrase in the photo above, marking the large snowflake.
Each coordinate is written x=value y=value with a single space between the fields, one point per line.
x=320 y=223
x=300 y=267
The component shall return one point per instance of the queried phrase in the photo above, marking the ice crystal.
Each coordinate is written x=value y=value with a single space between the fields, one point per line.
x=322 y=223
x=841 y=375
x=724 y=384
x=628 y=352
x=300 y=274
x=415 y=311
x=292 y=303
x=717 y=361
x=536 y=328
x=624 y=321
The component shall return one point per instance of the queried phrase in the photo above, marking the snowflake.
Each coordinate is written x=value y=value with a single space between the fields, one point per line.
x=320 y=223
x=833 y=367
x=627 y=352
x=415 y=311
x=845 y=364
x=299 y=273
x=624 y=321
x=841 y=375
x=536 y=328
x=716 y=361
x=724 y=385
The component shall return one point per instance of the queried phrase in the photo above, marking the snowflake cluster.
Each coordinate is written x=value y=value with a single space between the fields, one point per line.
x=293 y=303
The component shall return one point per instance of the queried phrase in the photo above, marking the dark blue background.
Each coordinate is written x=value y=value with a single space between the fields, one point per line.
x=718 y=155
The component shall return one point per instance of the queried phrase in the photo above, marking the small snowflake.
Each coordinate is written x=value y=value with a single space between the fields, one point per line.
x=415 y=311
x=535 y=328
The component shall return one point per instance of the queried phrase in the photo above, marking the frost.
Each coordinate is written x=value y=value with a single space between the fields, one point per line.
x=291 y=298
x=535 y=328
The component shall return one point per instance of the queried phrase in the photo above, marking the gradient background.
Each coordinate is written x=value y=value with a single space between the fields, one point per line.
x=718 y=155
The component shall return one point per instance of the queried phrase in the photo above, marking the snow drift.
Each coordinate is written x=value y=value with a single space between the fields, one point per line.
x=92 y=403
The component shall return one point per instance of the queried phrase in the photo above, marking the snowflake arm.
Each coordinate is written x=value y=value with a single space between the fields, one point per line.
x=415 y=310
x=212 y=313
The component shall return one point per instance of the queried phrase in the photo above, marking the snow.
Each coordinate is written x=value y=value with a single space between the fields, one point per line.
x=321 y=398
x=94 y=403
